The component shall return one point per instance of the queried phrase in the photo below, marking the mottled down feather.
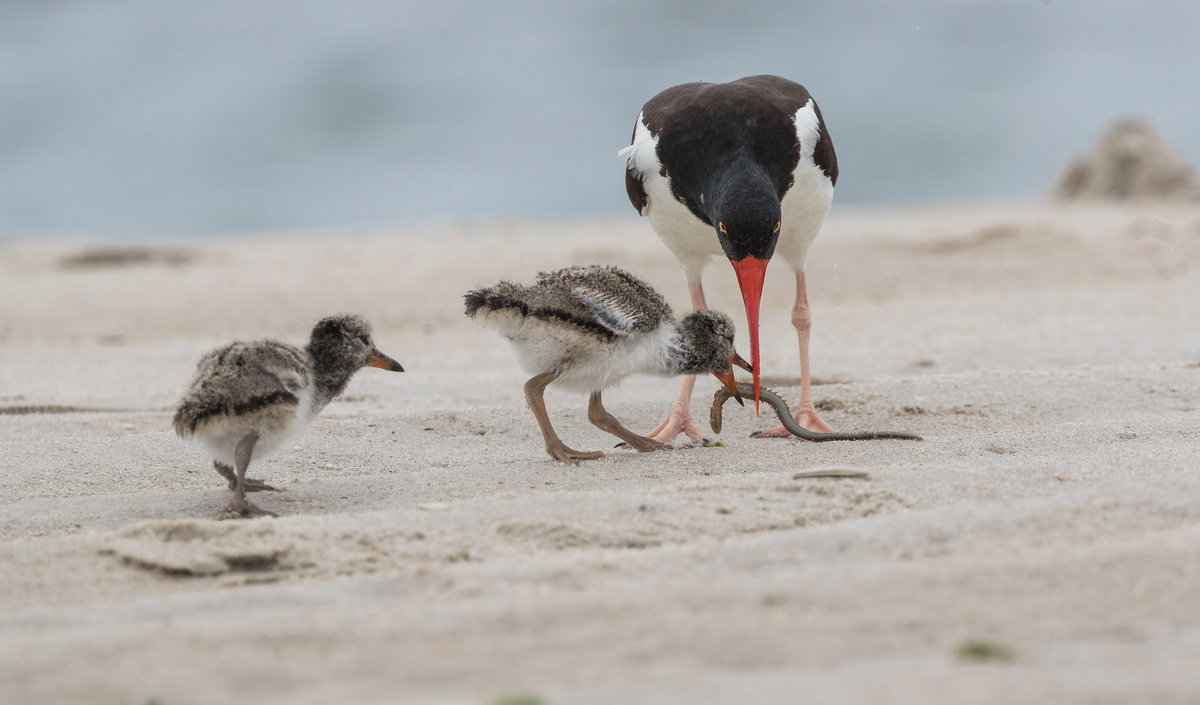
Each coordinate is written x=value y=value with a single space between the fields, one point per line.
x=605 y=301
x=240 y=378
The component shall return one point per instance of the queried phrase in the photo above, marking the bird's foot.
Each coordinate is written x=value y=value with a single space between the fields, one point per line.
x=564 y=454
x=239 y=508
x=679 y=420
x=643 y=444
x=805 y=415
x=253 y=485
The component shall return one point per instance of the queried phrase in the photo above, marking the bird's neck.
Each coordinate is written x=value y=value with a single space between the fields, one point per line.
x=329 y=380
x=688 y=356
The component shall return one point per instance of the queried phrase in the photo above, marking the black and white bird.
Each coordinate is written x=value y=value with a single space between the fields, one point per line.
x=248 y=398
x=744 y=169
x=587 y=328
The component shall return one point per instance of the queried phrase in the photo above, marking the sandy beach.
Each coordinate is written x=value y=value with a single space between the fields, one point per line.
x=1041 y=545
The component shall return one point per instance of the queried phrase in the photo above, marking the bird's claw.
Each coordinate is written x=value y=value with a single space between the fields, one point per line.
x=571 y=456
x=239 y=508
x=252 y=485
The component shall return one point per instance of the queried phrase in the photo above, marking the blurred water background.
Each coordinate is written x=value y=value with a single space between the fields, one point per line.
x=137 y=119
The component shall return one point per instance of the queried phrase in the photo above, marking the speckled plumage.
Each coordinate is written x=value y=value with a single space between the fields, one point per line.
x=587 y=328
x=602 y=301
x=250 y=397
x=243 y=378
x=596 y=325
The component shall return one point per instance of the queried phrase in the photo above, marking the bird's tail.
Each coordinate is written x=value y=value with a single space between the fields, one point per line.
x=185 y=421
x=475 y=300
x=499 y=297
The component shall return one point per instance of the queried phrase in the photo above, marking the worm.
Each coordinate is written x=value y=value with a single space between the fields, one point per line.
x=785 y=417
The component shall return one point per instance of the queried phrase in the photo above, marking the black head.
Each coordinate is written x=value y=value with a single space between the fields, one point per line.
x=746 y=215
x=343 y=345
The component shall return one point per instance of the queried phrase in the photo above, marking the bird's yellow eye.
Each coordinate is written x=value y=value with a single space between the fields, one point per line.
x=721 y=225
x=776 y=227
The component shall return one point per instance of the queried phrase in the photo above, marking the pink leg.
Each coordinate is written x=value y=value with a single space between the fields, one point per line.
x=805 y=413
x=679 y=418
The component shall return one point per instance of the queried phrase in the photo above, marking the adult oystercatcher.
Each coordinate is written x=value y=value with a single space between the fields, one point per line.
x=587 y=328
x=744 y=169
x=248 y=398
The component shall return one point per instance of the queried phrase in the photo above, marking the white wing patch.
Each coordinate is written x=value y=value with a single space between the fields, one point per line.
x=808 y=130
x=610 y=310
x=292 y=380
x=641 y=157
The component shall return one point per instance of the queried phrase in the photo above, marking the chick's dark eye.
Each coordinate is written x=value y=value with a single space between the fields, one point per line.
x=365 y=339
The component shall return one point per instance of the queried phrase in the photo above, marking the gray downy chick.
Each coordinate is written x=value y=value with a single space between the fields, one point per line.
x=588 y=328
x=248 y=398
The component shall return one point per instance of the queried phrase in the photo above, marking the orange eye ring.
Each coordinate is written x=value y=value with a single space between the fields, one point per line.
x=777 y=224
x=721 y=225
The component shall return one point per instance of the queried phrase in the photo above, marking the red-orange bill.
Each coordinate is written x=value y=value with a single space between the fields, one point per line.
x=730 y=383
x=751 y=273
x=383 y=362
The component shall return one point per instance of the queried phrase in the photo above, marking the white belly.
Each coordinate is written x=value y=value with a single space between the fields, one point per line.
x=585 y=363
x=275 y=426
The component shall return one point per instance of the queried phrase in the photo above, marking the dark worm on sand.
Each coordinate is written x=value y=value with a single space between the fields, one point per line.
x=785 y=417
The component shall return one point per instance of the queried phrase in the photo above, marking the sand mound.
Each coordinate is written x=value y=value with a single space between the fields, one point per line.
x=199 y=548
x=1130 y=162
